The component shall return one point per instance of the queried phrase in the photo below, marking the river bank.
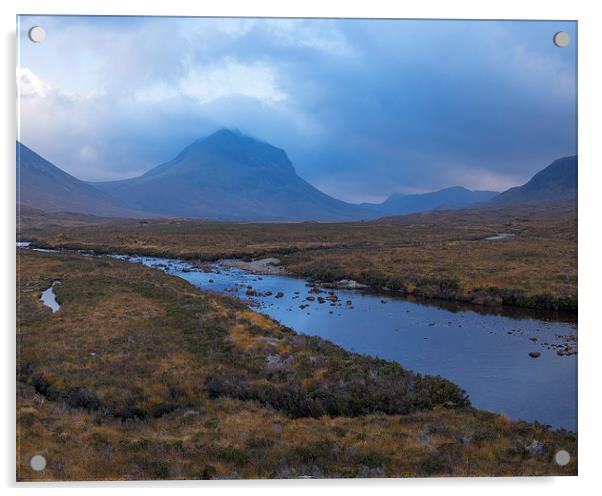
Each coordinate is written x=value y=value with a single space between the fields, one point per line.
x=432 y=288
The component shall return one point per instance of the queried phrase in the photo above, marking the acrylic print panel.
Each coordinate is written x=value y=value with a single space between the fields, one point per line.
x=295 y=248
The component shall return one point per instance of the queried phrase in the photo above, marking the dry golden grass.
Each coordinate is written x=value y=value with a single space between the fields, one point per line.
x=435 y=254
x=145 y=406
x=228 y=438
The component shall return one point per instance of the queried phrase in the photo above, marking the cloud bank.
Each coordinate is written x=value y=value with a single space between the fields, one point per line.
x=363 y=108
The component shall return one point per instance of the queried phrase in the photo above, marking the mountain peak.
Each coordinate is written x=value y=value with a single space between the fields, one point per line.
x=226 y=132
x=234 y=138
x=240 y=148
x=222 y=135
x=229 y=150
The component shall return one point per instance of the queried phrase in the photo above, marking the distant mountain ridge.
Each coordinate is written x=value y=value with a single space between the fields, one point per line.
x=230 y=176
x=446 y=199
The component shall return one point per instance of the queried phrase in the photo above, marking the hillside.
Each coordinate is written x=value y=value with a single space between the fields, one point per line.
x=557 y=182
x=42 y=185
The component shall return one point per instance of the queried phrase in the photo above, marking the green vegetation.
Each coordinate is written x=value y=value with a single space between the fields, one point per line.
x=141 y=376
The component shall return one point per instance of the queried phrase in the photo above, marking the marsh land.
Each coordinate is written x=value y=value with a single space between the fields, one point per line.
x=140 y=375
x=155 y=379
x=433 y=255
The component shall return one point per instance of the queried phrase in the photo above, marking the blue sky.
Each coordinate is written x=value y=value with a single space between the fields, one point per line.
x=363 y=108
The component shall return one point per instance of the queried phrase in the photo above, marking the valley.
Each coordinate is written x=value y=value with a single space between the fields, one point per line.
x=296 y=248
x=443 y=255
x=163 y=379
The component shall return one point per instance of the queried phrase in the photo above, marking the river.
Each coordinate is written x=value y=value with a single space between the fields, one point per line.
x=486 y=353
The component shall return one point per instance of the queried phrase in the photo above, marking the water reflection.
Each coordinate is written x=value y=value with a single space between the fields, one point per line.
x=49 y=298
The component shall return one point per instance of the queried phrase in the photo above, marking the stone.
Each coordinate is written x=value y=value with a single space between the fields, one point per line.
x=536 y=447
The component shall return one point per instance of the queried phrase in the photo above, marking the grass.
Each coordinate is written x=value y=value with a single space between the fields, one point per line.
x=141 y=376
x=430 y=255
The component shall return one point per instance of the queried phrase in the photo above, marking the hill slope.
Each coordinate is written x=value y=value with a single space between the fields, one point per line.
x=42 y=185
x=229 y=176
x=558 y=181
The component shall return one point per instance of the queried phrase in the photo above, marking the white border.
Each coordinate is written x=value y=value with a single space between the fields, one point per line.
x=590 y=82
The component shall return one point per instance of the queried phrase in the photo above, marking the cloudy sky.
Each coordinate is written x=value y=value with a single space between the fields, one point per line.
x=363 y=108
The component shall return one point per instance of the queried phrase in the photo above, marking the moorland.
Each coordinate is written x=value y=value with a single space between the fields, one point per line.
x=142 y=376
x=438 y=254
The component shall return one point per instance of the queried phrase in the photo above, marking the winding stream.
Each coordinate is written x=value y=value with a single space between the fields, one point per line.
x=509 y=361
x=487 y=354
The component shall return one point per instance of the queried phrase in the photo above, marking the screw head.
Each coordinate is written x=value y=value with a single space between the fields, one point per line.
x=562 y=39
x=562 y=458
x=37 y=463
x=37 y=34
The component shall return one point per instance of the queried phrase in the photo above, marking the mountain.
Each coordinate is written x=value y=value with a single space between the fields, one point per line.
x=446 y=199
x=558 y=181
x=230 y=176
x=42 y=185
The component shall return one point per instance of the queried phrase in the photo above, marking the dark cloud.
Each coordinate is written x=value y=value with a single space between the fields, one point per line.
x=363 y=108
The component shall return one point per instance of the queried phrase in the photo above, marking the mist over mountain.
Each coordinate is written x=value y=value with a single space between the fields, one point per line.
x=558 y=181
x=230 y=176
x=42 y=185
